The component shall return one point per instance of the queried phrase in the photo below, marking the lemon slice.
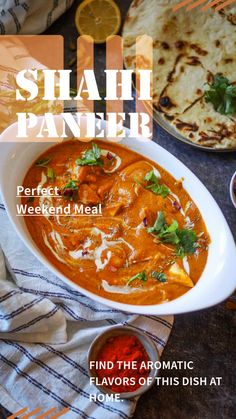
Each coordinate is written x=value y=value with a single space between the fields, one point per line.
x=98 y=18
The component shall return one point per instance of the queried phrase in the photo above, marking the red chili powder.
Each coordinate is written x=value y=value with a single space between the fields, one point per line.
x=125 y=348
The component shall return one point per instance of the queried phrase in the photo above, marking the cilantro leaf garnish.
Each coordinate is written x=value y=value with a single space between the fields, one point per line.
x=91 y=157
x=51 y=174
x=184 y=240
x=70 y=189
x=159 y=189
x=151 y=177
x=155 y=186
x=187 y=244
x=43 y=162
x=170 y=234
x=141 y=276
x=72 y=184
x=159 y=223
x=222 y=94
x=160 y=276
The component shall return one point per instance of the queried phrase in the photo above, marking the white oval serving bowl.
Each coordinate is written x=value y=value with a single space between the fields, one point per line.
x=218 y=280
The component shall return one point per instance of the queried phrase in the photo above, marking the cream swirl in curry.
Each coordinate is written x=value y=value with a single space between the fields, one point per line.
x=150 y=244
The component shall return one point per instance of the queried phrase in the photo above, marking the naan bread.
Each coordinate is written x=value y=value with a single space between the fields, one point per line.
x=189 y=49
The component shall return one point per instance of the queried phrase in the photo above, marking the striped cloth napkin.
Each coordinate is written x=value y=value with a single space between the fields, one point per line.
x=45 y=332
x=30 y=16
x=45 y=326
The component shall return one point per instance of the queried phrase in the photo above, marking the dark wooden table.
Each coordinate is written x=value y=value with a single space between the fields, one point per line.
x=207 y=337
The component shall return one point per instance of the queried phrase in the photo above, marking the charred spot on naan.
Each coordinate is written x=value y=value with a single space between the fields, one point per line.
x=211 y=129
x=187 y=76
x=230 y=14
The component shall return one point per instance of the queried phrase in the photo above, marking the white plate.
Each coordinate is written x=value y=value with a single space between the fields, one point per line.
x=218 y=280
x=231 y=190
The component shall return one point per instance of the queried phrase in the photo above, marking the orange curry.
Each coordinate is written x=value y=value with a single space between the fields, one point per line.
x=149 y=245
